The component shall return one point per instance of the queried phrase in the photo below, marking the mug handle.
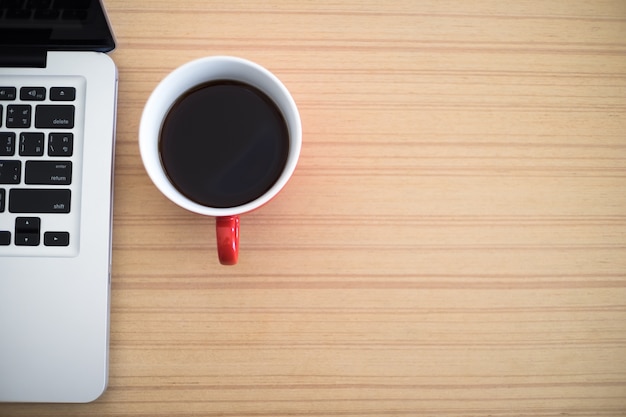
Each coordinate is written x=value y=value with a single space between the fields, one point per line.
x=227 y=232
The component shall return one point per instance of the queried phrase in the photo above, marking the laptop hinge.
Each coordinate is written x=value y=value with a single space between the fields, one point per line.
x=23 y=57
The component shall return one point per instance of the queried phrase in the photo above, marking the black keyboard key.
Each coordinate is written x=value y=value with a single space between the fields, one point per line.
x=60 y=144
x=32 y=93
x=8 y=93
x=5 y=237
x=3 y=198
x=62 y=93
x=21 y=14
x=56 y=239
x=72 y=4
x=74 y=14
x=38 y=4
x=31 y=144
x=12 y=4
x=27 y=224
x=48 y=172
x=10 y=172
x=7 y=143
x=39 y=201
x=46 y=14
x=27 y=231
x=19 y=116
x=1 y=118
x=54 y=117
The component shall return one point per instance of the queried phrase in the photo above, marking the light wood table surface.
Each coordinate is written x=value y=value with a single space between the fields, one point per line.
x=452 y=243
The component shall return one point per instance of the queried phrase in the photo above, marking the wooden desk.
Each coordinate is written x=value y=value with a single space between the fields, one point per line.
x=453 y=242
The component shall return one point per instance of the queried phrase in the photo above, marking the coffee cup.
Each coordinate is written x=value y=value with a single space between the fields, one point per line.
x=220 y=136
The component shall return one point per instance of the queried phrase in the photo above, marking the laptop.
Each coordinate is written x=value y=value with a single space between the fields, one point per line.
x=57 y=123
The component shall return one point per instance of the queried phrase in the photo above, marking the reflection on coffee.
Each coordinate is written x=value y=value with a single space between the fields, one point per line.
x=224 y=144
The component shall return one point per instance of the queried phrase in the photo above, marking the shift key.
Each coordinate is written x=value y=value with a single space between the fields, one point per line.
x=28 y=200
x=54 y=116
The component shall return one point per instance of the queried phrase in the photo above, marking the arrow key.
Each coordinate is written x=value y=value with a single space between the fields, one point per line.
x=56 y=239
x=27 y=239
x=27 y=231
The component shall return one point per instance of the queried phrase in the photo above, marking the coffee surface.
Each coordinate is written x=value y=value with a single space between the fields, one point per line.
x=224 y=144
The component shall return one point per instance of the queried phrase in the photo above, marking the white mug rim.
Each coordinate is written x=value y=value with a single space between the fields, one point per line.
x=187 y=77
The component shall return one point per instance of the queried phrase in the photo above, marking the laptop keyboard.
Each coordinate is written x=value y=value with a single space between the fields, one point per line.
x=41 y=122
x=44 y=10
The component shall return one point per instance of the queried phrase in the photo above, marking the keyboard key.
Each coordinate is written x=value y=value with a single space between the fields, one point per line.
x=42 y=9
x=56 y=239
x=54 y=117
x=31 y=144
x=21 y=14
x=27 y=231
x=27 y=224
x=39 y=201
x=72 y=4
x=7 y=143
x=46 y=14
x=38 y=4
x=3 y=198
x=12 y=4
x=5 y=237
x=32 y=93
x=10 y=172
x=19 y=115
x=59 y=144
x=48 y=172
x=73 y=14
x=8 y=93
x=62 y=93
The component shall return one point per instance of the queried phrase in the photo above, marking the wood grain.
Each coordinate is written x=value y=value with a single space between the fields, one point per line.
x=453 y=242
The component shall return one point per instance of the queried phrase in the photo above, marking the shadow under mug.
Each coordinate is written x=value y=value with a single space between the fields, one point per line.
x=186 y=78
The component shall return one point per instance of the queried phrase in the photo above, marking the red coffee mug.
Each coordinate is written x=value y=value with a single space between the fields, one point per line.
x=181 y=81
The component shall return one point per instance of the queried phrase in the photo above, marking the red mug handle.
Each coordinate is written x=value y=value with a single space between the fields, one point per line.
x=227 y=231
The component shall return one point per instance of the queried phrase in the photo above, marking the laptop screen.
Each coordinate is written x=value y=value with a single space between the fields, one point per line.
x=69 y=25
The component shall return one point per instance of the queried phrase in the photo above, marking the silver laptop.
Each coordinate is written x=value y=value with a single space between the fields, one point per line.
x=57 y=124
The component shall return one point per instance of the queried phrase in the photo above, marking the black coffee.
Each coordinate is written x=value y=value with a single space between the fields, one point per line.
x=224 y=144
